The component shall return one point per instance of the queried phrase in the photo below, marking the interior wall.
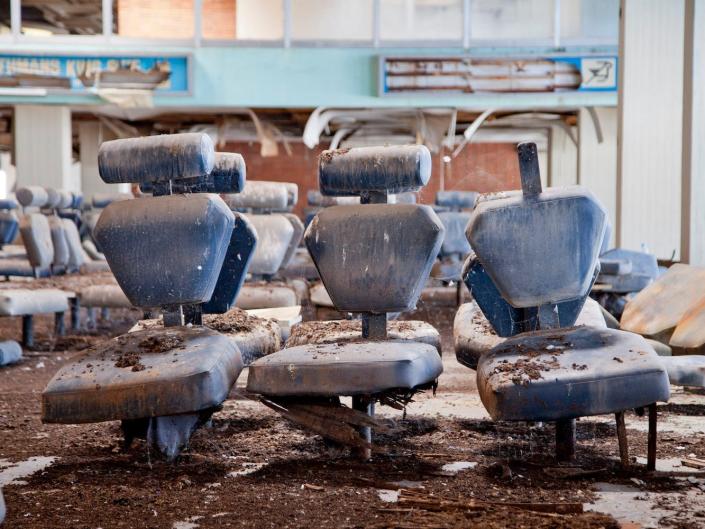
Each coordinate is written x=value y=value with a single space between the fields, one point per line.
x=484 y=167
x=597 y=164
x=651 y=97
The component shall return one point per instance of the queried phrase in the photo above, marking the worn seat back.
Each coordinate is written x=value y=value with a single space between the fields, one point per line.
x=166 y=250
x=539 y=248
x=374 y=257
x=454 y=243
x=9 y=224
x=456 y=200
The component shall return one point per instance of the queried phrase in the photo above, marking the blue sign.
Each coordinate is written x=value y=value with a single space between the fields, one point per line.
x=168 y=74
x=504 y=75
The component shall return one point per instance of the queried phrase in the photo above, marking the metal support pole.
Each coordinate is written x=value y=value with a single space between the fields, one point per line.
x=565 y=439
x=59 y=324
x=529 y=169
x=622 y=439
x=75 y=306
x=651 y=454
x=27 y=331
x=366 y=405
x=374 y=326
x=90 y=318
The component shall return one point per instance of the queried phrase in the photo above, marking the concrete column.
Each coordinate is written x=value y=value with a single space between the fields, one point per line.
x=693 y=190
x=90 y=135
x=597 y=161
x=42 y=144
x=650 y=126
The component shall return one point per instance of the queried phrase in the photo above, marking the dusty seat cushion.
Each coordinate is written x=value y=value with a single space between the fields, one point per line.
x=340 y=331
x=19 y=267
x=110 y=296
x=687 y=370
x=473 y=334
x=254 y=337
x=144 y=374
x=90 y=267
x=345 y=369
x=21 y=301
x=265 y=297
x=568 y=373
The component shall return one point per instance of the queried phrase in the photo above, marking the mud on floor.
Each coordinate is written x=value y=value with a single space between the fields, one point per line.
x=251 y=468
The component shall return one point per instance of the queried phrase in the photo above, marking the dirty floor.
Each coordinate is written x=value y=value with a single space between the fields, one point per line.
x=442 y=464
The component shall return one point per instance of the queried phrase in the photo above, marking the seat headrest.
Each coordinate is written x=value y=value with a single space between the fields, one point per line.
x=8 y=203
x=456 y=199
x=103 y=200
x=228 y=176
x=259 y=195
x=350 y=172
x=292 y=191
x=374 y=257
x=539 y=247
x=32 y=196
x=156 y=158
x=65 y=199
x=53 y=198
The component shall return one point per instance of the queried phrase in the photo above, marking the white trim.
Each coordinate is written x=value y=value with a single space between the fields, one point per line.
x=467 y=23
x=15 y=18
x=286 y=6
x=107 y=18
x=557 y=23
x=376 y=22
x=197 y=22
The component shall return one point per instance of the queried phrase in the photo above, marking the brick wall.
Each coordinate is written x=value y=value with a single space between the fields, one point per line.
x=173 y=19
x=480 y=167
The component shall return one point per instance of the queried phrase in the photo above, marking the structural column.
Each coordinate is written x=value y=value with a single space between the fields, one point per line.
x=650 y=126
x=693 y=190
x=90 y=135
x=42 y=138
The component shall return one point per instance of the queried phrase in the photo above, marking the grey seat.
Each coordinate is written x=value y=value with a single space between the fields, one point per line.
x=373 y=258
x=625 y=271
x=279 y=235
x=474 y=336
x=341 y=331
x=538 y=252
x=144 y=374
x=28 y=303
x=581 y=371
x=254 y=337
x=166 y=251
x=352 y=368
